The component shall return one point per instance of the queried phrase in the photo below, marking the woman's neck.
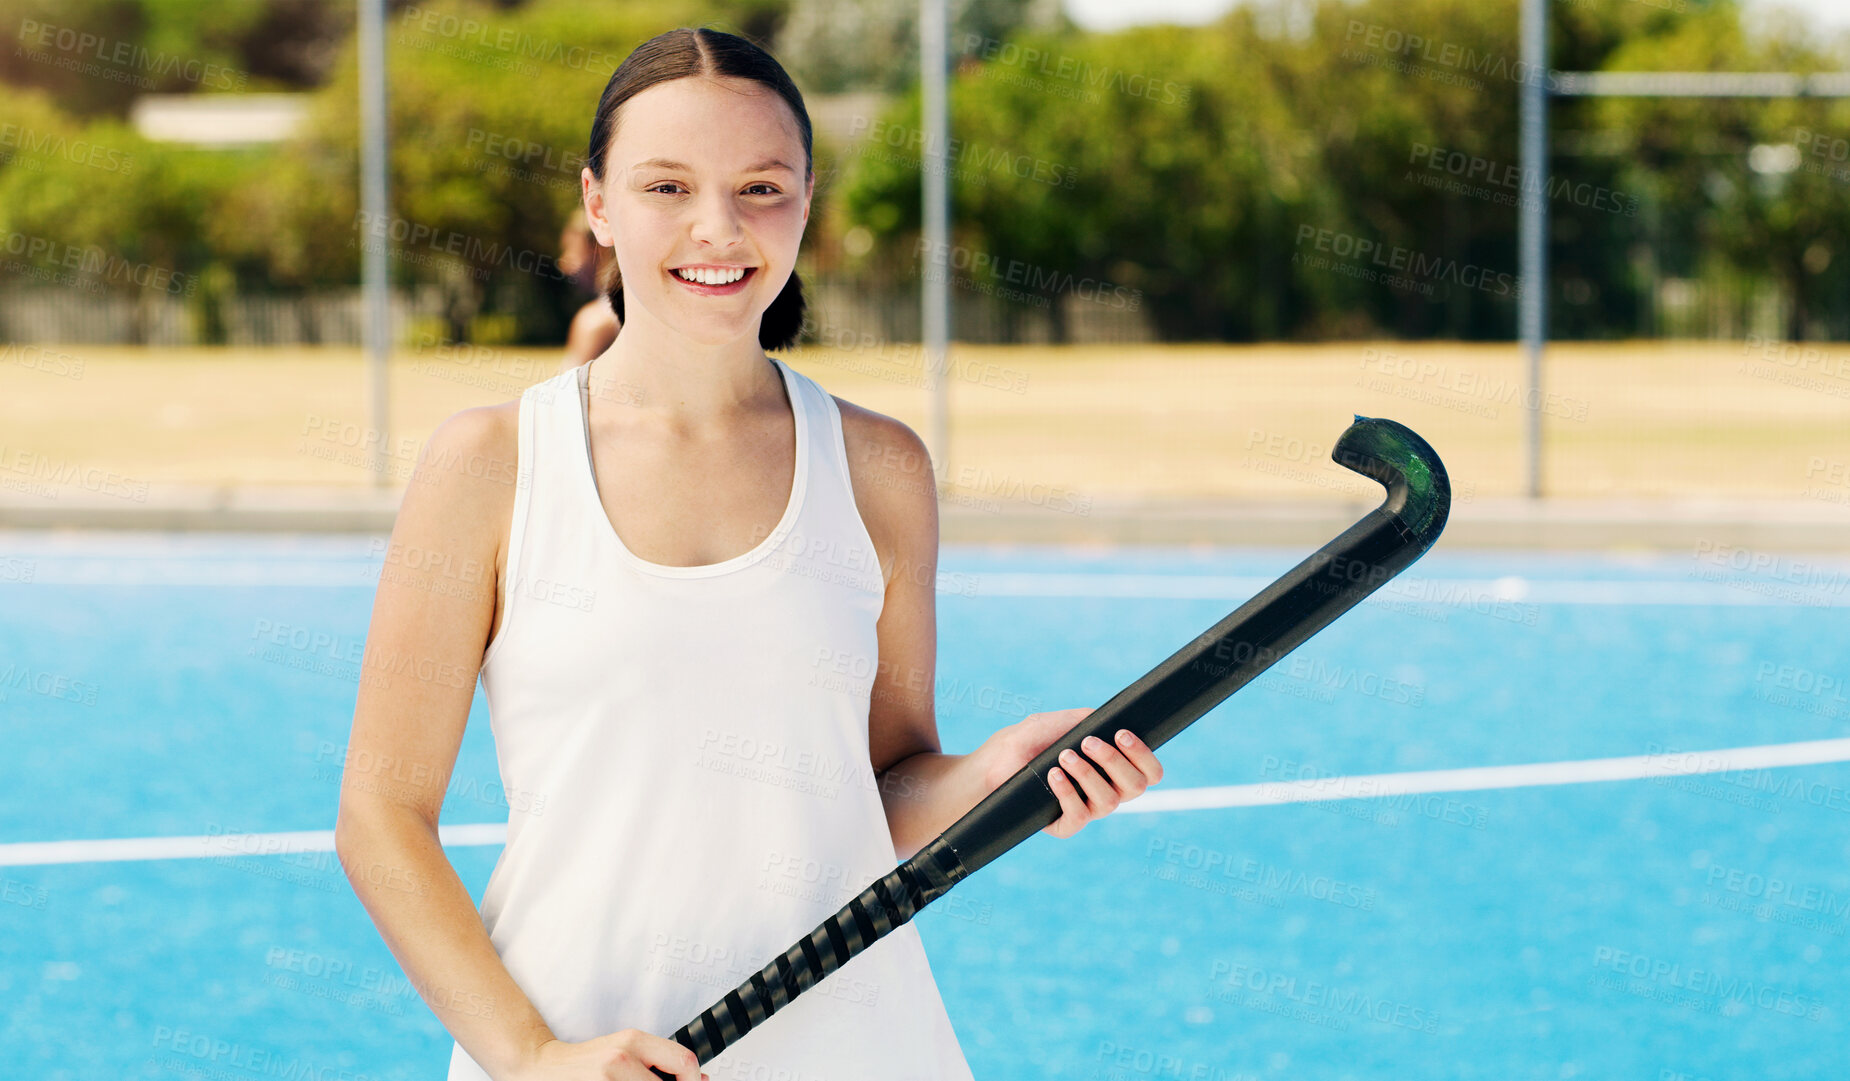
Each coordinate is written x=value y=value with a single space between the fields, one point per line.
x=685 y=386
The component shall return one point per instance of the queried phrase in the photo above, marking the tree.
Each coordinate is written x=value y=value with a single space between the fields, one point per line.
x=832 y=46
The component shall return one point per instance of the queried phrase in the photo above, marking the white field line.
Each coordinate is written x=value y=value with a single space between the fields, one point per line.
x=1635 y=767
x=1478 y=778
x=214 y=846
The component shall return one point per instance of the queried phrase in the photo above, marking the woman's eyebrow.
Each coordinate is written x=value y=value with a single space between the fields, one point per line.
x=765 y=166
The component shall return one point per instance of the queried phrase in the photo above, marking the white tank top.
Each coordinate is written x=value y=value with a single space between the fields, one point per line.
x=686 y=759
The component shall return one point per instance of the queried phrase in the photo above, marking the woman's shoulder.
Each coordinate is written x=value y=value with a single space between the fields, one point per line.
x=879 y=438
x=462 y=490
x=895 y=487
x=480 y=427
x=476 y=450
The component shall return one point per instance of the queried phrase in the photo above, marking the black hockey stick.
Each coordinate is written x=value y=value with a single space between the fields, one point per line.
x=1166 y=700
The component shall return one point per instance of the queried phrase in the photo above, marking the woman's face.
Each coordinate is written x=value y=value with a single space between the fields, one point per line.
x=703 y=177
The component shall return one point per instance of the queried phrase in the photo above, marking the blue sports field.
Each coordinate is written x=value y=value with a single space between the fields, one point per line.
x=201 y=686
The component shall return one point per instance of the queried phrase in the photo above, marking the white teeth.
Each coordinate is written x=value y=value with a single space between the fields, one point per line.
x=711 y=277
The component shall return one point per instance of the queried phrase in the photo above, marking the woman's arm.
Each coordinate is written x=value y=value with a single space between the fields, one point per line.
x=431 y=617
x=922 y=789
x=592 y=331
x=897 y=495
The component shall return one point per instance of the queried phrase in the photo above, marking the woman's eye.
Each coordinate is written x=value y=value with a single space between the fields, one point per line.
x=753 y=189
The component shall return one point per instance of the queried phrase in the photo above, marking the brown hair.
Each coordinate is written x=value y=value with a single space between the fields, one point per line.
x=679 y=54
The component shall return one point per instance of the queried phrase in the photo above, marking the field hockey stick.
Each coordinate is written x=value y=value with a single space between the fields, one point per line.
x=1166 y=700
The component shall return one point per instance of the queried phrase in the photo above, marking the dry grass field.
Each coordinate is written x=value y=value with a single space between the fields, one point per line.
x=1030 y=424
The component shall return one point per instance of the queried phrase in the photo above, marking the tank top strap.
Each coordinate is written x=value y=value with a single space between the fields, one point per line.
x=830 y=533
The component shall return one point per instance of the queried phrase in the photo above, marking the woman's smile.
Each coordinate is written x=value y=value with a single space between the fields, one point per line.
x=713 y=280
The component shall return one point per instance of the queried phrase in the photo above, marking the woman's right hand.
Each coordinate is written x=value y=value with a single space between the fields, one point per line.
x=621 y=1056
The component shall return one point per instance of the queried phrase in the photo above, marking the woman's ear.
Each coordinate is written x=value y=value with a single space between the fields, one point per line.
x=593 y=196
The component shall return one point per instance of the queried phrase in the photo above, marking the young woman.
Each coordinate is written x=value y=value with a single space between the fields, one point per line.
x=582 y=260
x=699 y=593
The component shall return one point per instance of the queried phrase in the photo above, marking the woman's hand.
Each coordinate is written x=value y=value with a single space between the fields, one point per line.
x=621 y=1056
x=1106 y=775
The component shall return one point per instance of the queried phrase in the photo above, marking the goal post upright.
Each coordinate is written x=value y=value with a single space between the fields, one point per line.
x=1532 y=240
x=1532 y=236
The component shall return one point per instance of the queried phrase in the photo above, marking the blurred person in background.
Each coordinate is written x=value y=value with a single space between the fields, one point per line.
x=583 y=259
